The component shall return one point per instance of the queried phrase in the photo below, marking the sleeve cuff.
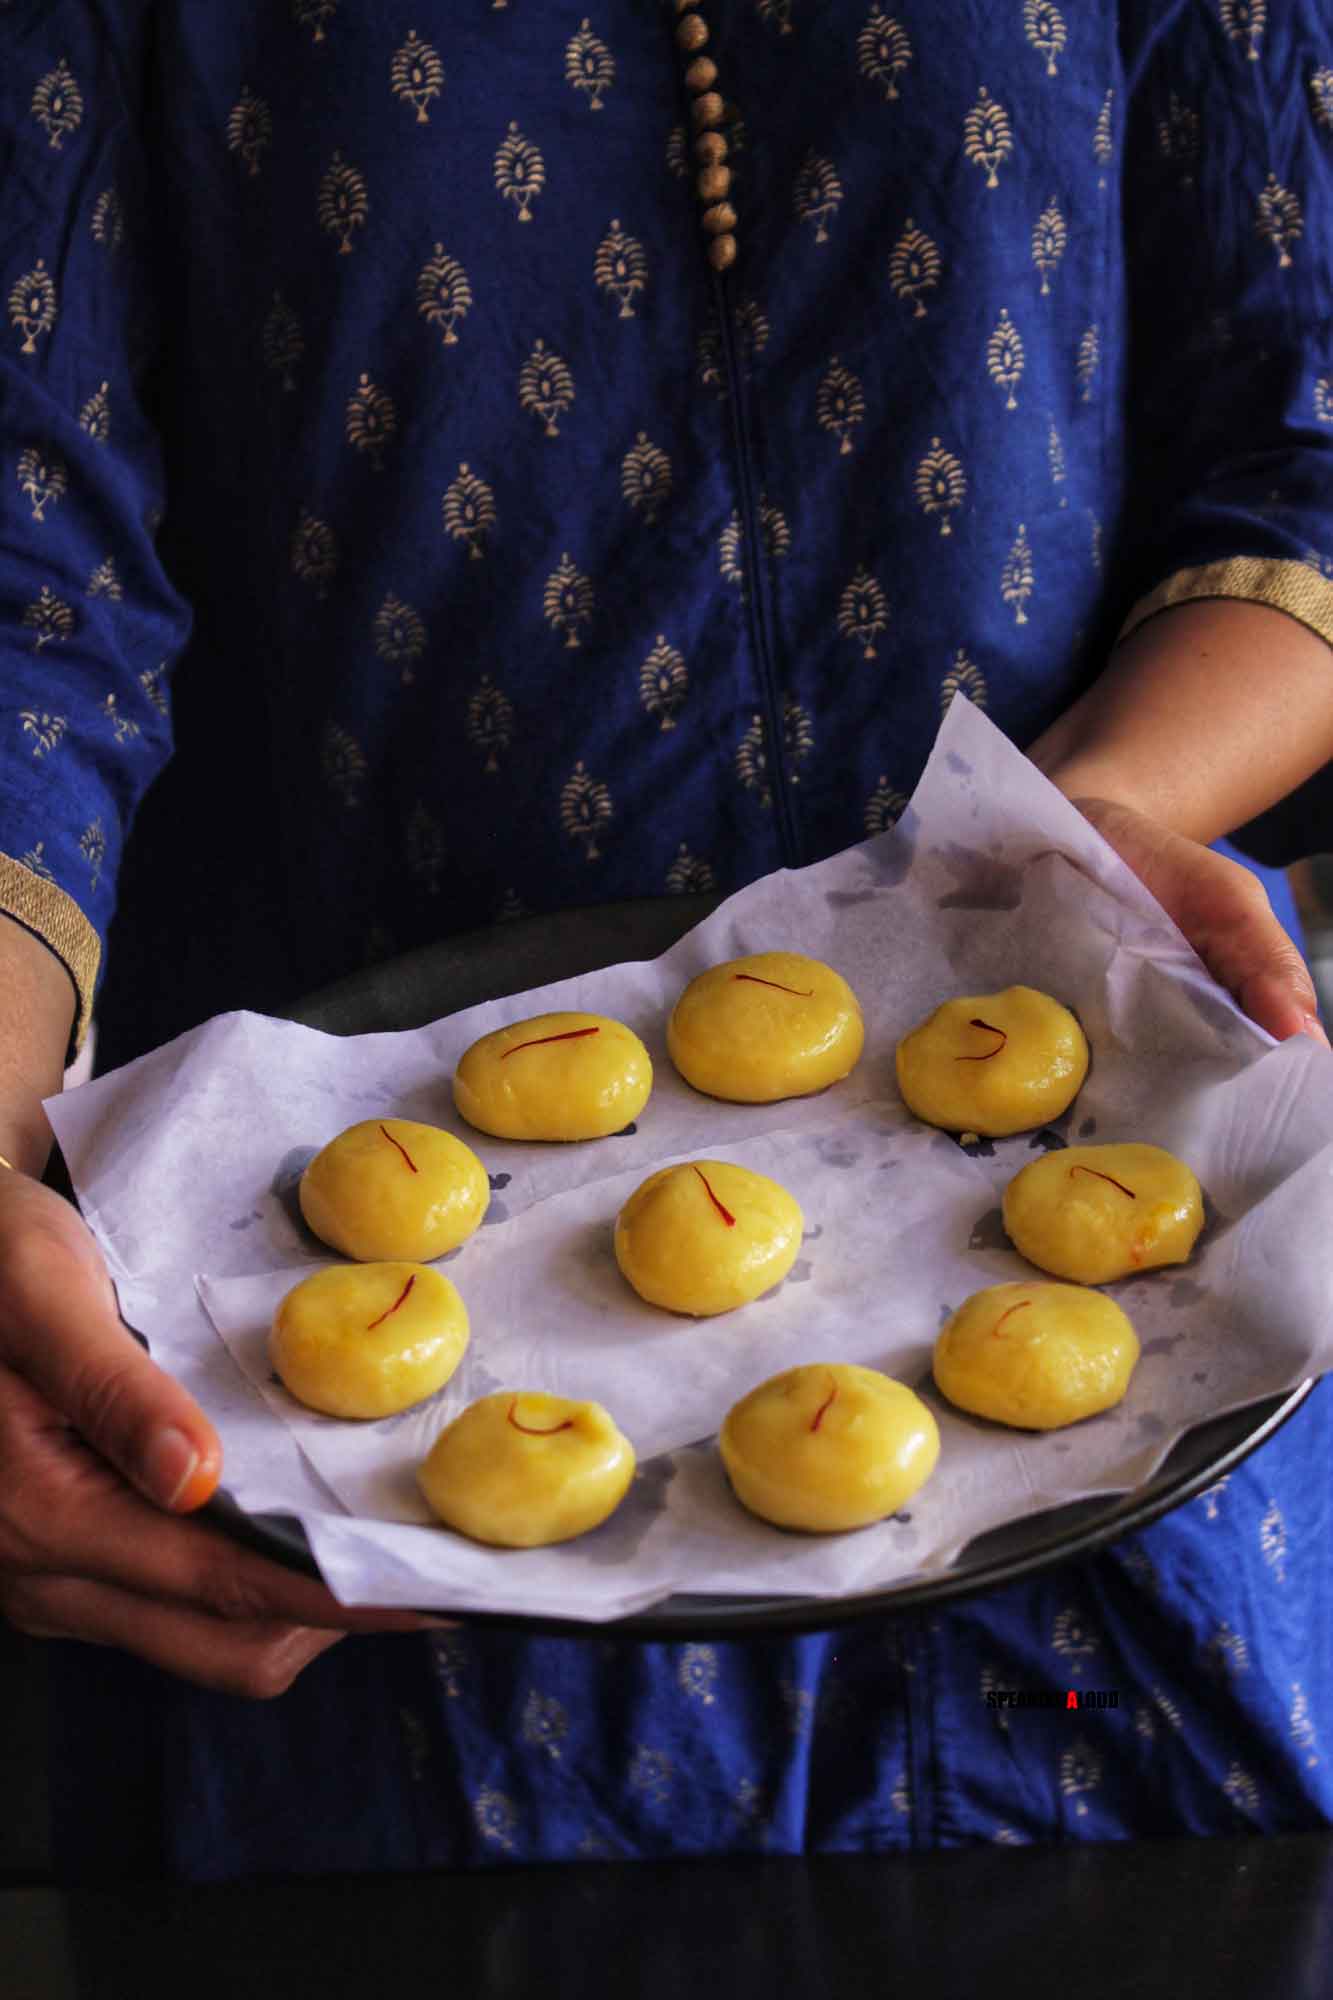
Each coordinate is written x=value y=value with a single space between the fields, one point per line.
x=43 y=908
x=1294 y=587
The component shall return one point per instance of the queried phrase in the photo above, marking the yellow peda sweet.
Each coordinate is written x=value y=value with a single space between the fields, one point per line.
x=1036 y=1356
x=770 y=1026
x=367 y=1340
x=556 y=1076
x=827 y=1447
x=1094 y=1213
x=393 y=1188
x=705 y=1236
x=521 y=1468
x=993 y=1063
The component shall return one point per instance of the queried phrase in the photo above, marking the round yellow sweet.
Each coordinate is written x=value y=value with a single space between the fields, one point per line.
x=521 y=1468
x=1094 y=1213
x=769 y=1026
x=705 y=1236
x=827 y=1447
x=993 y=1063
x=1036 y=1356
x=394 y=1188
x=556 y=1076
x=368 y=1340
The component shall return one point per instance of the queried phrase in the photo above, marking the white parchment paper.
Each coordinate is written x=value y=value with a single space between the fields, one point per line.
x=186 y=1162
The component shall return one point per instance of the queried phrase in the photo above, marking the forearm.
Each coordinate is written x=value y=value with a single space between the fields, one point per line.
x=36 y=1014
x=1204 y=717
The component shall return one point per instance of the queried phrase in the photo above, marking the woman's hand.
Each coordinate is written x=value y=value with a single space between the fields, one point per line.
x=1223 y=911
x=1204 y=717
x=101 y=1455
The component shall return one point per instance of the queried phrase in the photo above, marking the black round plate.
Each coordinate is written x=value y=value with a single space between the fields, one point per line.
x=485 y=965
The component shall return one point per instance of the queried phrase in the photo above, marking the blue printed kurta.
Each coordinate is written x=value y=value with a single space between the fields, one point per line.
x=367 y=384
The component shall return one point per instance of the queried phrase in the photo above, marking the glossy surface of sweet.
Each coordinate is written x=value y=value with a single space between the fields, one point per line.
x=394 y=1188
x=993 y=1063
x=555 y=1076
x=522 y=1468
x=1095 y=1213
x=828 y=1447
x=765 y=1027
x=368 y=1340
x=1036 y=1356
x=705 y=1236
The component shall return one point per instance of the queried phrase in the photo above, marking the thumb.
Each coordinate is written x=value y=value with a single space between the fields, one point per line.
x=60 y=1329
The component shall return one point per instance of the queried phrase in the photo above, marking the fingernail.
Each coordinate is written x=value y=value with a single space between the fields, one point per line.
x=1314 y=1028
x=169 y=1465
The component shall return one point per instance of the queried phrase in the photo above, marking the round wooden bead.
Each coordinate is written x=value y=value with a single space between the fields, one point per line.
x=708 y=109
x=721 y=220
x=692 y=33
x=702 y=73
x=722 y=252
x=713 y=183
x=711 y=148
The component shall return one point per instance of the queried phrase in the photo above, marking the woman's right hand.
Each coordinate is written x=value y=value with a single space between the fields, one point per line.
x=102 y=1459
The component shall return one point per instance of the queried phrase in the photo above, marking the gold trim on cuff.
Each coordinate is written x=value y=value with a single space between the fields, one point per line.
x=43 y=908
x=1279 y=581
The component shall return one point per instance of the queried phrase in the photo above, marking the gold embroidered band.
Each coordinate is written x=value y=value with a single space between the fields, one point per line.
x=1294 y=587
x=43 y=908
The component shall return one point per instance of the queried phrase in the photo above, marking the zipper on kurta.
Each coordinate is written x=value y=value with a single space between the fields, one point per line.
x=756 y=572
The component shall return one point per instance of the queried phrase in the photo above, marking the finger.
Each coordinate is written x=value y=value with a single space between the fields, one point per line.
x=259 y=1657
x=60 y=1328
x=64 y=1510
x=1247 y=950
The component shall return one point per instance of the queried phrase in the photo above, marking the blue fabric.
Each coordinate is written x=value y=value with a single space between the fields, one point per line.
x=455 y=632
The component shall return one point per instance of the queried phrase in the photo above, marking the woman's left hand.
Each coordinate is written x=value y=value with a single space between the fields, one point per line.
x=1223 y=911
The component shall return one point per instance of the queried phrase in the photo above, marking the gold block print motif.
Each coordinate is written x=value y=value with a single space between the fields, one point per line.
x=883 y=51
x=689 y=876
x=863 y=612
x=443 y=293
x=1245 y=21
x=1044 y=27
x=469 y=511
x=818 y=194
x=620 y=268
x=32 y=305
x=57 y=103
x=48 y=618
x=840 y=403
x=249 y=129
x=590 y=67
x=545 y=387
x=568 y=600
x=663 y=682
x=95 y=416
x=1016 y=577
x=1279 y=219
x=988 y=138
x=941 y=485
x=489 y=723
x=585 y=808
x=963 y=677
x=400 y=636
x=43 y=477
x=520 y=172
x=343 y=203
x=416 y=75
x=914 y=267
x=645 y=477
x=1005 y=357
x=1049 y=239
